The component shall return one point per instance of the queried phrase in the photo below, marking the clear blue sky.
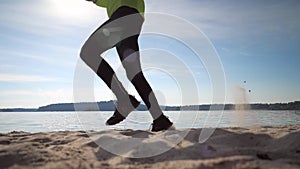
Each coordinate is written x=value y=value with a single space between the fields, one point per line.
x=257 y=41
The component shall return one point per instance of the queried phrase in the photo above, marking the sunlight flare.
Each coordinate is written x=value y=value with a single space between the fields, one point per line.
x=72 y=8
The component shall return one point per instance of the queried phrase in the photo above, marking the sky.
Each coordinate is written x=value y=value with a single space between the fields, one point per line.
x=257 y=42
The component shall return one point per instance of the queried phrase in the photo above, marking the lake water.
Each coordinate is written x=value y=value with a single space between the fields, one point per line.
x=141 y=120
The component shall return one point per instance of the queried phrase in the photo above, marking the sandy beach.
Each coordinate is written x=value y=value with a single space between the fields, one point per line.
x=241 y=148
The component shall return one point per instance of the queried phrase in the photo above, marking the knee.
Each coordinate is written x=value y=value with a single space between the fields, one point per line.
x=134 y=72
x=91 y=56
x=132 y=66
x=89 y=53
x=132 y=75
x=137 y=77
x=84 y=53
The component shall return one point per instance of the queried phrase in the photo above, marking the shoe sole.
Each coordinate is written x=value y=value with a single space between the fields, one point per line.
x=134 y=107
x=172 y=127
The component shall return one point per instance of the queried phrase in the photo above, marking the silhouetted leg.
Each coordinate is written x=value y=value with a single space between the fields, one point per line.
x=128 y=51
x=90 y=53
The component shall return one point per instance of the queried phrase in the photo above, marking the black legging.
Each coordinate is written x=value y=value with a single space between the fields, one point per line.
x=121 y=31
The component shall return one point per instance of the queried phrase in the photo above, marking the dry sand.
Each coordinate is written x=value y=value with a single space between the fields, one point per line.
x=260 y=147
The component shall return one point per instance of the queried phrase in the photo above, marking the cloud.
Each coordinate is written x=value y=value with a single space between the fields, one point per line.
x=26 y=78
x=30 y=54
x=17 y=55
x=235 y=19
x=34 y=98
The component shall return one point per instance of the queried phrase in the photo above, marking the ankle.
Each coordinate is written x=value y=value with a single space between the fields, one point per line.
x=160 y=117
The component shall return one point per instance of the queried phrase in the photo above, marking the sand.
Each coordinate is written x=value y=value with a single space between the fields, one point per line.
x=254 y=148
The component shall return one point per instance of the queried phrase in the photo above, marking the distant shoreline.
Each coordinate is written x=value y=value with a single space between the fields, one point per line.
x=110 y=106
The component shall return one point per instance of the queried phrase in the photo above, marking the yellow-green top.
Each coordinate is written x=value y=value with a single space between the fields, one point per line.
x=112 y=5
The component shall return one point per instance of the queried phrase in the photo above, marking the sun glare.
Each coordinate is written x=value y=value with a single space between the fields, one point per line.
x=71 y=8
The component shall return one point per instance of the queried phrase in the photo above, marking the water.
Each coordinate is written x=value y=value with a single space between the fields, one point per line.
x=58 y=121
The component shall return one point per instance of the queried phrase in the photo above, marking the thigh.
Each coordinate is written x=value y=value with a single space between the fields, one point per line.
x=127 y=47
x=101 y=39
x=124 y=25
x=128 y=51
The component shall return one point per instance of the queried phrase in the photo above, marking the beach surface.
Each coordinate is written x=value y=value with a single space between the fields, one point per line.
x=241 y=148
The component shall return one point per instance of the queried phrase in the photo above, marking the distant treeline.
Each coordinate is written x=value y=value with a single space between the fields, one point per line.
x=258 y=106
x=110 y=106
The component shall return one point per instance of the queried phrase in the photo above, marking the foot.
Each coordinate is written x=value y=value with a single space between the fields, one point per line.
x=161 y=123
x=122 y=109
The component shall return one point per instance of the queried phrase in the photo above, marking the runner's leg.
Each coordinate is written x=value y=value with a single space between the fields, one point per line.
x=90 y=53
x=128 y=50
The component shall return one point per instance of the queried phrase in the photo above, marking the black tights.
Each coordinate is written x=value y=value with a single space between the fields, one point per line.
x=121 y=31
